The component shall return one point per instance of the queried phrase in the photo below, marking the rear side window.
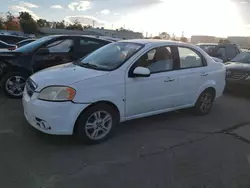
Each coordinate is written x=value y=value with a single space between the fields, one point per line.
x=61 y=46
x=189 y=58
x=89 y=45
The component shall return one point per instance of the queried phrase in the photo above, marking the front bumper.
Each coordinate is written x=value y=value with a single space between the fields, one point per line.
x=51 y=117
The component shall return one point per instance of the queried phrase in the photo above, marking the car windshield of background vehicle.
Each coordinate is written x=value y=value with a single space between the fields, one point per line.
x=207 y=48
x=243 y=57
x=33 y=45
x=110 y=56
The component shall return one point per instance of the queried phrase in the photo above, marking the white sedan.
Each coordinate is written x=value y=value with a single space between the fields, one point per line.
x=119 y=82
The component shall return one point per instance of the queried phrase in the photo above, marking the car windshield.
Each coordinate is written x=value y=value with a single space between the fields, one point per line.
x=33 y=45
x=243 y=57
x=207 y=48
x=110 y=56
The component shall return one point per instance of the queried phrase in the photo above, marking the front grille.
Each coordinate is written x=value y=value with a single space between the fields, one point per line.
x=30 y=87
x=236 y=75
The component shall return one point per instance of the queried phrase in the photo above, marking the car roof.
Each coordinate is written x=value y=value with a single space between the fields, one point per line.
x=155 y=42
x=88 y=36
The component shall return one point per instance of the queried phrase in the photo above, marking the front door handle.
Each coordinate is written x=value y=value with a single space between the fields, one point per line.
x=204 y=74
x=170 y=80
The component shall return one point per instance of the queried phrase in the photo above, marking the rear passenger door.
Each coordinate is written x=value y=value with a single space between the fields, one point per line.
x=87 y=45
x=192 y=74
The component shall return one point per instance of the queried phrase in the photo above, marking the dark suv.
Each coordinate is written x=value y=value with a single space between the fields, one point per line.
x=225 y=52
x=16 y=66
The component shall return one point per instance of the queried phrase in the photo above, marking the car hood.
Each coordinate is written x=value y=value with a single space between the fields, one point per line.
x=65 y=74
x=237 y=66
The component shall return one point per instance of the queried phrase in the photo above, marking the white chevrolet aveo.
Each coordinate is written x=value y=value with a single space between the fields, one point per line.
x=119 y=82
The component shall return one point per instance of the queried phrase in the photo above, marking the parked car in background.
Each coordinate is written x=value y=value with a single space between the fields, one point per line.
x=118 y=82
x=24 y=42
x=18 y=65
x=11 y=39
x=238 y=72
x=225 y=52
x=4 y=45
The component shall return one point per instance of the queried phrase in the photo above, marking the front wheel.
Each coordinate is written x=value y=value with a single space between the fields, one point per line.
x=96 y=123
x=13 y=84
x=204 y=103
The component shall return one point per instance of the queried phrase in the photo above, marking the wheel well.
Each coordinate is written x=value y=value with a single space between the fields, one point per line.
x=112 y=105
x=212 y=90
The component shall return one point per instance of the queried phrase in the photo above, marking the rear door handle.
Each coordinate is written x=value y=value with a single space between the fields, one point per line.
x=170 y=80
x=204 y=74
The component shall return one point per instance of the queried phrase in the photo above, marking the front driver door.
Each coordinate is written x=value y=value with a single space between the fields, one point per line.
x=149 y=95
x=60 y=51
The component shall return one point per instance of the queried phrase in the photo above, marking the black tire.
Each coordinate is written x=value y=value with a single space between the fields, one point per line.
x=5 y=86
x=80 y=126
x=199 y=108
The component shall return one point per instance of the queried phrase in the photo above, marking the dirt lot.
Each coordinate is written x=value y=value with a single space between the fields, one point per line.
x=172 y=150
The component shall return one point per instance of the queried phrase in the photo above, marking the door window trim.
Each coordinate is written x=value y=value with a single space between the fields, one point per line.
x=203 y=59
x=135 y=63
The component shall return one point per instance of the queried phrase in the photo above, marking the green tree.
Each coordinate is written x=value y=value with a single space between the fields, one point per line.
x=224 y=41
x=75 y=26
x=164 y=35
x=42 y=23
x=157 y=37
x=184 y=39
x=2 y=27
x=27 y=23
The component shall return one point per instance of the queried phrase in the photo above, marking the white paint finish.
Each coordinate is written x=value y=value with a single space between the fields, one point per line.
x=134 y=97
x=144 y=95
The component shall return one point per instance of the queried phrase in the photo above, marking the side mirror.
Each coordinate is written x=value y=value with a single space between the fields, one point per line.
x=141 y=72
x=43 y=51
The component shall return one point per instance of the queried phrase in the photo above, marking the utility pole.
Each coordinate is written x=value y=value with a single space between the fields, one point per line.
x=93 y=23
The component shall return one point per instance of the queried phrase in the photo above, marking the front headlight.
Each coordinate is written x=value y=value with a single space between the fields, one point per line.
x=57 y=93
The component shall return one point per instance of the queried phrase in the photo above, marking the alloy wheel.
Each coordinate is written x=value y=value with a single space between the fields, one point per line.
x=98 y=125
x=15 y=85
x=206 y=101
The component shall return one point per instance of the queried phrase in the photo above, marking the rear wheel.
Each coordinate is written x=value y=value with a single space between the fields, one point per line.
x=204 y=103
x=13 y=84
x=96 y=123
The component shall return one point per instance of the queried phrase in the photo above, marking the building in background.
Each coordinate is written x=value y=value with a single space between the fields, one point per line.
x=123 y=34
x=242 y=42
x=203 y=39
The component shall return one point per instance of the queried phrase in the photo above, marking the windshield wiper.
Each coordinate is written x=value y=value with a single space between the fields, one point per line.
x=87 y=65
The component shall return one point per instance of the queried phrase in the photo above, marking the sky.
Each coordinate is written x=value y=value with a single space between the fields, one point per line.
x=193 y=17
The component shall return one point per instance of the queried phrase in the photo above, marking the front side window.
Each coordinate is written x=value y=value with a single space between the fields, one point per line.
x=189 y=58
x=61 y=46
x=157 y=60
x=111 y=56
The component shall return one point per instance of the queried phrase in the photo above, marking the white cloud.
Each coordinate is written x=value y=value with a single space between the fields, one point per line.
x=80 y=6
x=85 y=20
x=28 y=5
x=56 y=6
x=105 y=12
x=16 y=9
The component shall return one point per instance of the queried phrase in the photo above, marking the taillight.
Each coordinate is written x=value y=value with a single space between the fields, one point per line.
x=12 y=48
